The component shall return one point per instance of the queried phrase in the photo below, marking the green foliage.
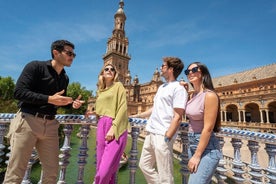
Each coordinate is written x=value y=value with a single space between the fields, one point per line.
x=7 y=86
x=7 y=103
x=8 y=106
x=74 y=90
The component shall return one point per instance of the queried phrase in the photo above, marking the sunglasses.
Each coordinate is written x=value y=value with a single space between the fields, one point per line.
x=111 y=69
x=69 y=53
x=193 y=70
x=162 y=66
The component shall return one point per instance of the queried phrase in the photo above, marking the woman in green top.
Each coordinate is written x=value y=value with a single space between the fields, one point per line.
x=111 y=108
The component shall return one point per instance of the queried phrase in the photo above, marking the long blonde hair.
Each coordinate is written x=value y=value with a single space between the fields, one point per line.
x=101 y=83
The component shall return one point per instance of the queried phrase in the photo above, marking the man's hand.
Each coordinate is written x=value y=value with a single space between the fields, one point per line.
x=59 y=100
x=77 y=103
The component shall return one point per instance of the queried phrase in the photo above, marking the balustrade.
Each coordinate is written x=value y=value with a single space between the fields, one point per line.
x=234 y=167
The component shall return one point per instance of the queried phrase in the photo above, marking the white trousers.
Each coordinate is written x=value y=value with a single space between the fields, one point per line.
x=156 y=161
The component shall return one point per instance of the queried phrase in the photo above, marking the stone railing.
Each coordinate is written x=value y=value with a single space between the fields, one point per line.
x=252 y=126
x=249 y=157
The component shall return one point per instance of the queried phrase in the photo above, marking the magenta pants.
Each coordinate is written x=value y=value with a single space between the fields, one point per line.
x=108 y=153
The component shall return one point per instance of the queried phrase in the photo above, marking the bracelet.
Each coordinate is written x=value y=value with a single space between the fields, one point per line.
x=166 y=139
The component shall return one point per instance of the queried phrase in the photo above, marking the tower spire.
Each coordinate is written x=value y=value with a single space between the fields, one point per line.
x=121 y=4
x=117 y=46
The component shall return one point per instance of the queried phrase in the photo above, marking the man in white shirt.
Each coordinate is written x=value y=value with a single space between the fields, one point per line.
x=156 y=161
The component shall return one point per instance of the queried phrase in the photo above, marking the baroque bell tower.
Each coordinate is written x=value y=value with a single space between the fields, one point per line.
x=117 y=47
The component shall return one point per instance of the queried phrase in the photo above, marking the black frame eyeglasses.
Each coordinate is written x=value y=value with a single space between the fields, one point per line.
x=109 y=69
x=70 y=53
x=193 y=70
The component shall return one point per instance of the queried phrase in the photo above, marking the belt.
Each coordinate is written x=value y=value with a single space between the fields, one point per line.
x=39 y=115
x=45 y=116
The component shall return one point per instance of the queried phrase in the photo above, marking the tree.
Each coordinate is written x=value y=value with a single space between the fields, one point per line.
x=7 y=103
x=6 y=88
x=74 y=90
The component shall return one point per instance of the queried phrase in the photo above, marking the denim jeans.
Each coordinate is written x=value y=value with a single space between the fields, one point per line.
x=209 y=159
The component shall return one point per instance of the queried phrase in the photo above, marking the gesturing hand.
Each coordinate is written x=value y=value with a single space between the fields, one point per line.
x=59 y=100
x=77 y=103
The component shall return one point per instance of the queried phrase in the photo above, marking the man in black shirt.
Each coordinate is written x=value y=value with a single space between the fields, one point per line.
x=40 y=89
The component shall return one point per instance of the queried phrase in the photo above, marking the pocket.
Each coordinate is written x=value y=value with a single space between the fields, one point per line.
x=215 y=154
x=15 y=125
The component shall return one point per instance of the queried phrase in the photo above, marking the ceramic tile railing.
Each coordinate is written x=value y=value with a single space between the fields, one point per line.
x=234 y=167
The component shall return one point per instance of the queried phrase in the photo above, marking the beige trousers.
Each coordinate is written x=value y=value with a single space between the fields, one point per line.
x=156 y=161
x=26 y=132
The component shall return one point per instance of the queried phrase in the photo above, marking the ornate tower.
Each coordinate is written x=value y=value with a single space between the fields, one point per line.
x=117 y=47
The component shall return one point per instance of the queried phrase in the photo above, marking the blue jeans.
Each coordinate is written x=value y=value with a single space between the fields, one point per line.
x=209 y=159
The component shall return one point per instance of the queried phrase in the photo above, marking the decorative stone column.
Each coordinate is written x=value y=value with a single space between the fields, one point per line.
x=244 y=118
x=65 y=153
x=221 y=177
x=225 y=116
x=33 y=159
x=133 y=159
x=83 y=152
x=256 y=170
x=261 y=116
x=237 y=163
x=267 y=115
x=183 y=133
x=271 y=169
x=3 y=129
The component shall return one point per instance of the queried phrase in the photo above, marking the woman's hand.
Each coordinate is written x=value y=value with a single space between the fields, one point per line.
x=193 y=164
x=184 y=84
x=89 y=113
x=110 y=135
x=135 y=116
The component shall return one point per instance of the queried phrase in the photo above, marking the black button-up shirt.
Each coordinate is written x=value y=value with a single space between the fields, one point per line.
x=37 y=82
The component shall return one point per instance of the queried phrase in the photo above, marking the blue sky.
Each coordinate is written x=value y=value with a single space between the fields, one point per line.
x=229 y=36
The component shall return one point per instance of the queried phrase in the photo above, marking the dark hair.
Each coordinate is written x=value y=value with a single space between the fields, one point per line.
x=218 y=123
x=206 y=76
x=59 y=46
x=208 y=84
x=176 y=64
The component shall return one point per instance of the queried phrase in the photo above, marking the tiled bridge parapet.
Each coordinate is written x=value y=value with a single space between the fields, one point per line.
x=249 y=157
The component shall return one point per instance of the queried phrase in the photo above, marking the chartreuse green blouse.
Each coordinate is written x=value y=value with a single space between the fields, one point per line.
x=112 y=102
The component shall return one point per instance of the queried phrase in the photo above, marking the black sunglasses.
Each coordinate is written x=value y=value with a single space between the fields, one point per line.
x=111 y=69
x=162 y=66
x=69 y=53
x=193 y=70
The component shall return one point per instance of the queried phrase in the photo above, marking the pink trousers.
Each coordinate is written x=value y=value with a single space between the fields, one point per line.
x=108 y=153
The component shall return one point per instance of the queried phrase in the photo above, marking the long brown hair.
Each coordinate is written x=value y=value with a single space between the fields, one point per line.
x=218 y=122
x=208 y=84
